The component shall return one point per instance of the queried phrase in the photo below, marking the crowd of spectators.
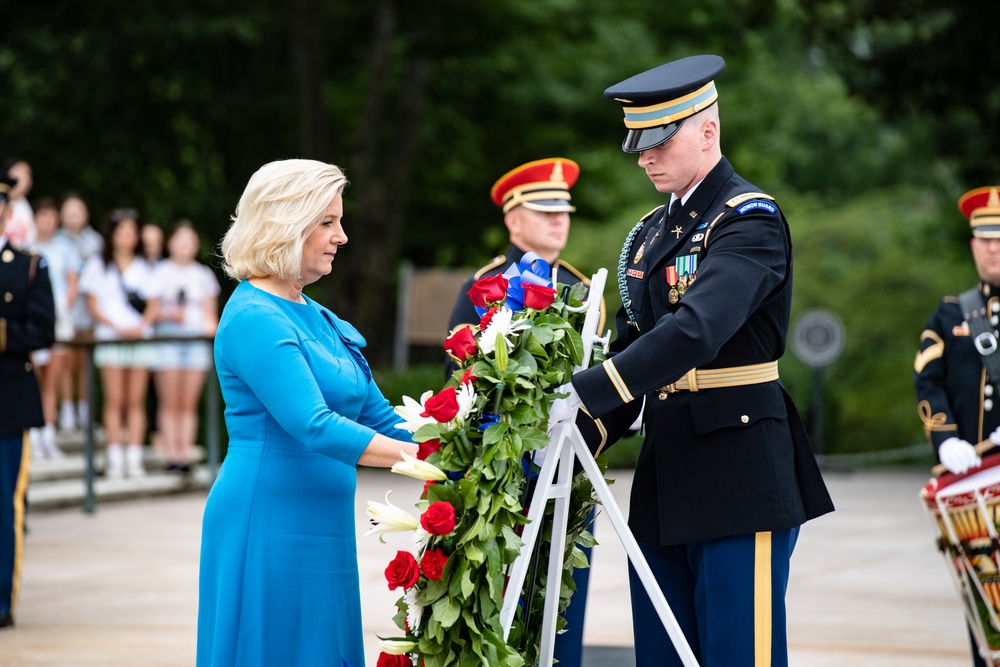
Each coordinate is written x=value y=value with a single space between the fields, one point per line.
x=117 y=288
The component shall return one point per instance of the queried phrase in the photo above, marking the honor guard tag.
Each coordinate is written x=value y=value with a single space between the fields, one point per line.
x=757 y=205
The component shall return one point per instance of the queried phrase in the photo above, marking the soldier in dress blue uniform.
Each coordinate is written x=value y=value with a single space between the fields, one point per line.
x=536 y=203
x=955 y=392
x=726 y=474
x=27 y=322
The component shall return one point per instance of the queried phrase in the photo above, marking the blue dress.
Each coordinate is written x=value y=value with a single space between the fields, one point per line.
x=279 y=573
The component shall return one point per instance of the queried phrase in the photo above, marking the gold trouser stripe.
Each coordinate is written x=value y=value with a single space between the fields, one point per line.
x=762 y=600
x=617 y=381
x=20 y=489
x=716 y=378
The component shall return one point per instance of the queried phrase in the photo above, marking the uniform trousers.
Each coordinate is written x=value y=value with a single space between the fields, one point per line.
x=569 y=645
x=14 y=461
x=728 y=596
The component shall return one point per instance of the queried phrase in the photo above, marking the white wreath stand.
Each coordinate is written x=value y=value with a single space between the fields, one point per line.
x=567 y=445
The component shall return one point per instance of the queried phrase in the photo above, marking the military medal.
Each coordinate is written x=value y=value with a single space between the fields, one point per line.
x=638 y=255
x=673 y=296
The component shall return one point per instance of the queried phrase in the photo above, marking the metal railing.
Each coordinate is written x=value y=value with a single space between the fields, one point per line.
x=212 y=403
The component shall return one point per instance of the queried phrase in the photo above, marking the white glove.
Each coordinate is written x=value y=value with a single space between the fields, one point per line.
x=564 y=408
x=958 y=456
x=995 y=436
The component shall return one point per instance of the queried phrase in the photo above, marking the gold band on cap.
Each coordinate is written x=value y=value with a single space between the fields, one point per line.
x=671 y=111
x=532 y=192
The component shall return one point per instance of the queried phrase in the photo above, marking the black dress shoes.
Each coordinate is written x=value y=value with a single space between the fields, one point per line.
x=6 y=619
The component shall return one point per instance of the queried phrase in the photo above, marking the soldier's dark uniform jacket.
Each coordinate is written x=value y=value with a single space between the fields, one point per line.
x=954 y=397
x=465 y=313
x=27 y=323
x=708 y=288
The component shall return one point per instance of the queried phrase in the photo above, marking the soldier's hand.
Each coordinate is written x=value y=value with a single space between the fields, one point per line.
x=995 y=436
x=958 y=456
x=564 y=408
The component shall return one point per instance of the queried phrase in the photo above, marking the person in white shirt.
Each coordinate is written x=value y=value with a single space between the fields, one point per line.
x=21 y=224
x=64 y=268
x=122 y=298
x=189 y=294
x=75 y=218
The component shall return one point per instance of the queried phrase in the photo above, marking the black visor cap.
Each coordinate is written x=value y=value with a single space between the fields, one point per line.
x=637 y=141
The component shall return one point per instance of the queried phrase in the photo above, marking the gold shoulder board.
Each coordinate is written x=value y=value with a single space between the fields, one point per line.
x=747 y=196
x=646 y=217
x=494 y=263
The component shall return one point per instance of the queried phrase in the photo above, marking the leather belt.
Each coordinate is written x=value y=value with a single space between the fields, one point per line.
x=716 y=378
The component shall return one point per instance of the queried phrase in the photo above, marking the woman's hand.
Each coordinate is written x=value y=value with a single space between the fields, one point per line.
x=384 y=452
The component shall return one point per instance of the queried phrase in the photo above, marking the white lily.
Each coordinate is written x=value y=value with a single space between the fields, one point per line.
x=396 y=646
x=411 y=411
x=417 y=469
x=466 y=396
x=387 y=518
x=414 y=611
x=421 y=537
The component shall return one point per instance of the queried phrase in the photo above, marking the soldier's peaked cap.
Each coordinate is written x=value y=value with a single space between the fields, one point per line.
x=982 y=207
x=542 y=185
x=657 y=101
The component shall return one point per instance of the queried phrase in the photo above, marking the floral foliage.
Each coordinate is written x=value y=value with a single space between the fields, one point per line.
x=477 y=436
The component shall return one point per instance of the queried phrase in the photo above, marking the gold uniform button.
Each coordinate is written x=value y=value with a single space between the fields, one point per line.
x=745 y=419
x=8 y=297
x=28 y=366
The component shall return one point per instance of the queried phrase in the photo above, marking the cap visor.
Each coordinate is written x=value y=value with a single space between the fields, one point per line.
x=549 y=205
x=637 y=141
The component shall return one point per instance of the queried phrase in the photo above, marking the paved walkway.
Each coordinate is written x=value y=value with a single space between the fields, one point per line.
x=119 y=588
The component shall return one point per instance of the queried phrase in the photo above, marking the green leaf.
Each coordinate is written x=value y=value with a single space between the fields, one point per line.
x=533 y=438
x=446 y=611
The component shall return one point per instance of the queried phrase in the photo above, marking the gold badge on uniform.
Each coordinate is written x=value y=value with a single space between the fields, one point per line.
x=7 y=256
x=638 y=255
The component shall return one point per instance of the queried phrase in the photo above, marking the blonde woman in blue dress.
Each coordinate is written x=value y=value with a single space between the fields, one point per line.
x=279 y=574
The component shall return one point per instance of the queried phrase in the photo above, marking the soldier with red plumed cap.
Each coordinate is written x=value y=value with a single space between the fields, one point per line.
x=956 y=389
x=536 y=204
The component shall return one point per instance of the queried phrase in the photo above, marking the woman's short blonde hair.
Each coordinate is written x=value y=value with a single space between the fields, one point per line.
x=281 y=204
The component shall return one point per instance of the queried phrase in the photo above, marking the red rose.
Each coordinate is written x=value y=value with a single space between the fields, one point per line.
x=403 y=570
x=487 y=317
x=426 y=448
x=461 y=344
x=487 y=291
x=538 y=297
x=387 y=660
x=443 y=406
x=427 y=485
x=468 y=376
x=439 y=518
x=432 y=563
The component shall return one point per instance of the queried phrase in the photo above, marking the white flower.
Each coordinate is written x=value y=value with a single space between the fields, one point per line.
x=414 y=612
x=500 y=324
x=417 y=469
x=421 y=537
x=410 y=411
x=389 y=519
x=396 y=646
x=466 y=396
